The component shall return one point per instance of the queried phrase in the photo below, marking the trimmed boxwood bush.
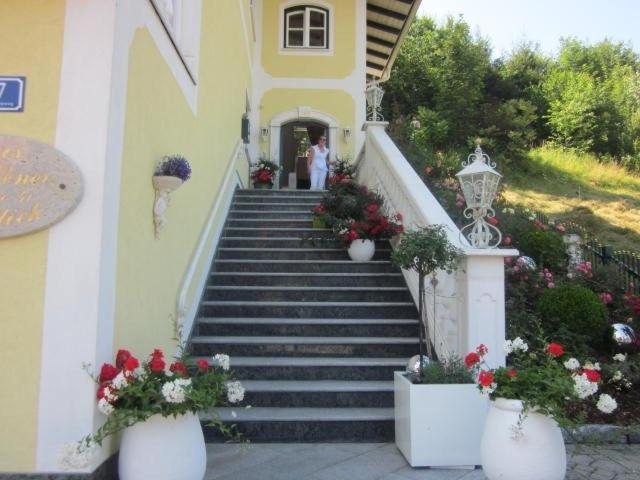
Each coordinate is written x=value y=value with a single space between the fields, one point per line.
x=573 y=314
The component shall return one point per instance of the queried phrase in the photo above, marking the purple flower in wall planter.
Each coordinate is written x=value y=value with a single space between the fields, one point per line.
x=174 y=166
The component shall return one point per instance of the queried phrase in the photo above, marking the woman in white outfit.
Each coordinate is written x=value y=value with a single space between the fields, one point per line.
x=318 y=164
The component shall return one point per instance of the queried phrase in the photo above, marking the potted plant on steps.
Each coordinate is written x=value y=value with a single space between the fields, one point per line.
x=522 y=439
x=438 y=414
x=156 y=406
x=263 y=174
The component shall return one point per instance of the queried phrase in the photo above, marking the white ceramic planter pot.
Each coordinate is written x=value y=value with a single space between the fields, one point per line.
x=362 y=250
x=439 y=425
x=166 y=183
x=538 y=452
x=163 y=448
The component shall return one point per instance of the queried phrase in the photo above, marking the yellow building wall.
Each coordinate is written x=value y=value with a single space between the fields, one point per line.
x=159 y=122
x=339 y=65
x=31 y=46
x=336 y=103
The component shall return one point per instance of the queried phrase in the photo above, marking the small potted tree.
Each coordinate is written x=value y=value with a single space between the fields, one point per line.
x=263 y=174
x=439 y=415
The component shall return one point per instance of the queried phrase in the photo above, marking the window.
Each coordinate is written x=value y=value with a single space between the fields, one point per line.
x=306 y=27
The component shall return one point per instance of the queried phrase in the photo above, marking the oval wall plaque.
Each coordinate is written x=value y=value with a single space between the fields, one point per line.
x=39 y=185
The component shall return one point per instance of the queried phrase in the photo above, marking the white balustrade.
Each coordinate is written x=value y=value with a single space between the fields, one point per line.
x=468 y=304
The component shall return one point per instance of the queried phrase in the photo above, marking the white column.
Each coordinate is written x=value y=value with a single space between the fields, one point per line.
x=78 y=320
x=481 y=303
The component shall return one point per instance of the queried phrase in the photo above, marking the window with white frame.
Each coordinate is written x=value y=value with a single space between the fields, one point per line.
x=306 y=27
x=181 y=20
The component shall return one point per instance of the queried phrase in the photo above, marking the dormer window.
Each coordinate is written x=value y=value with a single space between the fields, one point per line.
x=306 y=27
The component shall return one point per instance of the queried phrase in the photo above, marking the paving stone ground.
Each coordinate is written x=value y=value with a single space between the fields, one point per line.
x=383 y=461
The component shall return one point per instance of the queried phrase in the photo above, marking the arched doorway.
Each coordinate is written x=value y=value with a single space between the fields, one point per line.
x=295 y=139
x=301 y=117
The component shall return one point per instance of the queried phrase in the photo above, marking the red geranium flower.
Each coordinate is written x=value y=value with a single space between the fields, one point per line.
x=178 y=368
x=471 y=359
x=100 y=393
x=156 y=364
x=592 y=375
x=555 y=350
x=203 y=364
x=372 y=208
x=493 y=221
x=108 y=372
x=122 y=357
x=482 y=349
x=131 y=364
x=511 y=373
x=485 y=378
x=318 y=208
x=157 y=353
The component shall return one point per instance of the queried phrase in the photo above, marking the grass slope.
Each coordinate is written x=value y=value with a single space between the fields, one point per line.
x=602 y=197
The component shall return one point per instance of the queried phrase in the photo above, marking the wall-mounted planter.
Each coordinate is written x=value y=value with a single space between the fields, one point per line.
x=163 y=185
x=439 y=425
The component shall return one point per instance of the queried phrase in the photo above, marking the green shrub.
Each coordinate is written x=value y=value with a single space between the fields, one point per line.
x=573 y=314
x=546 y=248
x=448 y=371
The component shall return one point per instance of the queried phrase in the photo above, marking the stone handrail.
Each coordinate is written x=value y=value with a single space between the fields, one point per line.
x=197 y=272
x=462 y=309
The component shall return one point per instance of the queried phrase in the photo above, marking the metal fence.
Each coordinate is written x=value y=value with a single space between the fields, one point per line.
x=600 y=254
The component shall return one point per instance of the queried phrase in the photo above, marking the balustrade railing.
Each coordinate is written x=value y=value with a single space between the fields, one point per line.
x=465 y=308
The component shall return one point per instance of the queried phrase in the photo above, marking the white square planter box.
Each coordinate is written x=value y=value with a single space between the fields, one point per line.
x=439 y=425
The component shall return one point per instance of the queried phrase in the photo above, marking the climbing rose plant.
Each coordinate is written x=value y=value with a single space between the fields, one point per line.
x=131 y=391
x=545 y=381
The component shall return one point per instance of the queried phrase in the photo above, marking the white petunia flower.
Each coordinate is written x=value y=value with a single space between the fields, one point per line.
x=620 y=357
x=606 y=403
x=139 y=372
x=583 y=386
x=572 y=364
x=105 y=407
x=222 y=360
x=109 y=395
x=519 y=344
x=77 y=455
x=175 y=391
x=486 y=391
x=508 y=347
x=235 y=392
x=592 y=366
x=120 y=381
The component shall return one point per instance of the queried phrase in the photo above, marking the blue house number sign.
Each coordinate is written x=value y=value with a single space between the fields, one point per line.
x=12 y=94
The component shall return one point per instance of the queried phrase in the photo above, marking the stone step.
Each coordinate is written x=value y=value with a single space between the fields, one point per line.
x=318 y=394
x=307 y=200
x=315 y=327
x=287 y=279
x=268 y=232
x=268 y=223
x=316 y=368
x=248 y=204
x=255 y=346
x=306 y=424
x=305 y=214
x=277 y=192
x=307 y=294
x=288 y=242
x=303 y=266
x=291 y=309
x=293 y=253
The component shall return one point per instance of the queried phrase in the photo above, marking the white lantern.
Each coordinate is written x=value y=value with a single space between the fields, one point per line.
x=374 y=96
x=479 y=183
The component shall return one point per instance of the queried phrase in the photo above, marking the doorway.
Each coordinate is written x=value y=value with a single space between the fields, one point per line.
x=296 y=138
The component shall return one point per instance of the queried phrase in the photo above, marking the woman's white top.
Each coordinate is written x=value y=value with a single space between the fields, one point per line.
x=320 y=158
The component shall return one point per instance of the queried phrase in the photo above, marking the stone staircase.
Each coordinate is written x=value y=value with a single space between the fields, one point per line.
x=313 y=336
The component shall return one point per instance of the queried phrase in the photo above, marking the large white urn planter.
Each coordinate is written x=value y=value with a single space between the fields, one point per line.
x=362 y=250
x=536 y=452
x=163 y=448
x=439 y=425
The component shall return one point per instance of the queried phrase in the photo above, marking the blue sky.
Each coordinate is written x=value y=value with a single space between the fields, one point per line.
x=507 y=22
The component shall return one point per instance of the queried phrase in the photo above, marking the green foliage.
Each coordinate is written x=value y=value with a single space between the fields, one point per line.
x=426 y=250
x=545 y=247
x=573 y=313
x=448 y=371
